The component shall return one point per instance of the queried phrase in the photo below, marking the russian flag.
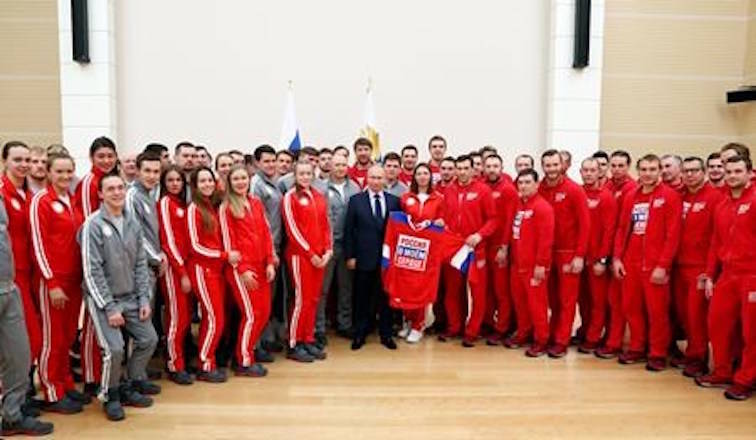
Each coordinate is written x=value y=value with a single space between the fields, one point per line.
x=290 y=130
x=463 y=258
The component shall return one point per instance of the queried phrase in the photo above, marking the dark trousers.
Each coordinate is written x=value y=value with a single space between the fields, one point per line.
x=370 y=298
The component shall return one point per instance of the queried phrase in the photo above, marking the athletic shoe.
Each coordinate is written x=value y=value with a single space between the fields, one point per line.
x=388 y=343
x=677 y=357
x=255 y=370
x=404 y=332
x=494 y=339
x=264 y=356
x=357 y=343
x=131 y=397
x=557 y=351
x=414 y=336
x=656 y=364
x=694 y=369
x=214 y=376
x=26 y=426
x=515 y=342
x=315 y=351
x=588 y=347
x=444 y=337
x=321 y=340
x=29 y=409
x=300 y=354
x=536 y=350
x=66 y=405
x=468 y=342
x=632 y=357
x=181 y=378
x=78 y=396
x=737 y=391
x=92 y=389
x=678 y=362
x=146 y=388
x=607 y=352
x=112 y=407
x=713 y=381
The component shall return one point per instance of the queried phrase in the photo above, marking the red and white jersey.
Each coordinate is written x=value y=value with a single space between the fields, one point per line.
x=305 y=216
x=435 y=173
x=17 y=206
x=412 y=259
x=54 y=225
x=432 y=208
x=249 y=234
x=532 y=234
x=358 y=174
x=86 y=200
x=603 y=208
x=571 y=215
x=205 y=243
x=174 y=235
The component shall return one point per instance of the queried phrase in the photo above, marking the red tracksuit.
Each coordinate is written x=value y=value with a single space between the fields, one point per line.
x=435 y=173
x=174 y=240
x=470 y=209
x=733 y=250
x=54 y=224
x=207 y=260
x=571 y=227
x=532 y=243
x=691 y=306
x=405 y=177
x=250 y=235
x=17 y=206
x=647 y=237
x=359 y=175
x=430 y=210
x=499 y=298
x=615 y=326
x=305 y=216
x=594 y=288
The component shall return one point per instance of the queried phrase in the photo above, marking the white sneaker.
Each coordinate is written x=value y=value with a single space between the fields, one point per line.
x=404 y=331
x=414 y=336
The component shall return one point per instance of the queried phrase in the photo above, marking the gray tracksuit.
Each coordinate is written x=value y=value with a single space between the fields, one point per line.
x=337 y=207
x=14 y=342
x=141 y=203
x=270 y=195
x=398 y=188
x=117 y=279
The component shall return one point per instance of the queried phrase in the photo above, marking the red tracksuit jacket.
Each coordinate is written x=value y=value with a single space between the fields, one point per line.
x=359 y=175
x=174 y=235
x=250 y=235
x=733 y=244
x=506 y=200
x=532 y=234
x=205 y=244
x=603 y=209
x=432 y=209
x=17 y=207
x=698 y=225
x=470 y=209
x=305 y=216
x=572 y=219
x=405 y=177
x=648 y=232
x=86 y=200
x=54 y=225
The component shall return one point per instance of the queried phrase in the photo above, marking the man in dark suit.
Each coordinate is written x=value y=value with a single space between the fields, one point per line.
x=364 y=228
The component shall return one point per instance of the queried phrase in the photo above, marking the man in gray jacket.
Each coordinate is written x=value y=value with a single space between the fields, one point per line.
x=340 y=189
x=15 y=357
x=392 y=166
x=117 y=294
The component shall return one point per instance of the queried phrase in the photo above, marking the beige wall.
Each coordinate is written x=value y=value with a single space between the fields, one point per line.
x=667 y=67
x=29 y=74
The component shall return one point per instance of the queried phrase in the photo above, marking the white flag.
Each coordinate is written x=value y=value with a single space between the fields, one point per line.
x=290 y=130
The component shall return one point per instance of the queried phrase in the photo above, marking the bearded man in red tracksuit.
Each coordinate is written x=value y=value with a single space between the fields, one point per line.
x=471 y=213
x=572 y=224
x=732 y=262
x=700 y=201
x=647 y=239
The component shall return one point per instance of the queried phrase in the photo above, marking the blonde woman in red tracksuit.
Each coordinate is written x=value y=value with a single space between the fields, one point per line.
x=648 y=235
x=244 y=228
x=305 y=216
x=54 y=224
x=422 y=203
x=207 y=259
x=16 y=197
x=177 y=287
x=532 y=240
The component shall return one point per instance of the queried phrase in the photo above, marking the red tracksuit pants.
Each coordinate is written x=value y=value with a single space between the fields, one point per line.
x=470 y=290
x=308 y=284
x=254 y=307
x=23 y=281
x=691 y=309
x=59 y=327
x=616 y=322
x=646 y=308
x=531 y=305
x=209 y=286
x=592 y=302
x=563 y=295
x=178 y=319
x=499 y=299
x=734 y=303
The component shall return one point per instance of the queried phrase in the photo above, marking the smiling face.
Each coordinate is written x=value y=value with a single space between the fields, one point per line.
x=552 y=166
x=18 y=162
x=61 y=173
x=173 y=182
x=104 y=159
x=206 y=183
x=239 y=180
x=113 y=192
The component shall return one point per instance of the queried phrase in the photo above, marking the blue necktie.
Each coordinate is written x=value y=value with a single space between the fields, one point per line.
x=377 y=209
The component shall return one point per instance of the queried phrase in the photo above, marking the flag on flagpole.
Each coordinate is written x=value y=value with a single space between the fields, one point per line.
x=369 y=129
x=290 y=130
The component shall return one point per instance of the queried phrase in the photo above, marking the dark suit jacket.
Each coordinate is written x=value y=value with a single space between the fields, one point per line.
x=363 y=234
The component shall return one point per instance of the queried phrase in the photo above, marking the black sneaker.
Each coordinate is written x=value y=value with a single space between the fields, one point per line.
x=145 y=387
x=300 y=354
x=181 y=378
x=29 y=409
x=131 y=397
x=315 y=351
x=92 y=389
x=215 y=376
x=255 y=370
x=273 y=346
x=112 y=407
x=263 y=355
x=26 y=426
x=321 y=340
x=66 y=405
x=83 y=398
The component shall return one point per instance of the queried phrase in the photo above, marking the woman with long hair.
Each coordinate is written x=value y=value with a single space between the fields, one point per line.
x=177 y=287
x=207 y=259
x=244 y=228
